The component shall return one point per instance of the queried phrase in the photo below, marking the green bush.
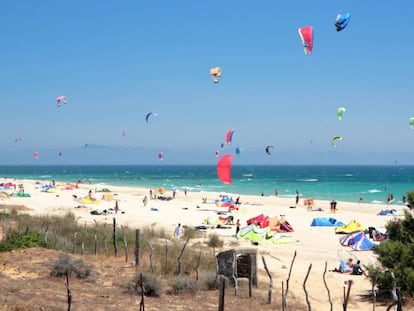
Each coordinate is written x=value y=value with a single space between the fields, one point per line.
x=397 y=254
x=410 y=199
x=150 y=284
x=32 y=239
x=75 y=268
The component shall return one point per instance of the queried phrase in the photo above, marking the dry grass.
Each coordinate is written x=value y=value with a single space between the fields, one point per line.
x=26 y=284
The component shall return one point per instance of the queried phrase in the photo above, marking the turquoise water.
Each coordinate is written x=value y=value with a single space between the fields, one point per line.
x=342 y=183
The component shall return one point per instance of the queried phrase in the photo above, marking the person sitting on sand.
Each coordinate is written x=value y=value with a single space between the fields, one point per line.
x=345 y=267
x=90 y=196
x=357 y=270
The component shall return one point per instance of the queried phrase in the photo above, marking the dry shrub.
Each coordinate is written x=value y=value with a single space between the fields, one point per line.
x=183 y=285
x=150 y=284
x=214 y=241
x=209 y=280
x=75 y=268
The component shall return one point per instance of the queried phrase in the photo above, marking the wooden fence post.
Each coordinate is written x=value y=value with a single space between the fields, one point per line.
x=287 y=280
x=304 y=288
x=125 y=244
x=114 y=237
x=96 y=238
x=181 y=255
x=136 y=247
x=222 y=289
x=269 y=294
x=166 y=257
x=326 y=286
x=150 y=256
x=75 y=235
x=345 y=305
x=141 y=304
x=104 y=240
x=68 y=291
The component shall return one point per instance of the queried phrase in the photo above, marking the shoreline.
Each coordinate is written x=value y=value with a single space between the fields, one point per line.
x=327 y=182
x=130 y=200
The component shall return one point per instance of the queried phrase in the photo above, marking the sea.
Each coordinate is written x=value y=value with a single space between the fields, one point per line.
x=374 y=184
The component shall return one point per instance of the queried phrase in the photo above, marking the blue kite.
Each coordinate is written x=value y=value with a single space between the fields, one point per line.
x=342 y=20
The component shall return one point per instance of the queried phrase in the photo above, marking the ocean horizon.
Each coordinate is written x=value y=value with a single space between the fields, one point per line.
x=324 y=182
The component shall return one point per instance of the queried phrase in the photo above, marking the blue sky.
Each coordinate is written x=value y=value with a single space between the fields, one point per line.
x=117 y=60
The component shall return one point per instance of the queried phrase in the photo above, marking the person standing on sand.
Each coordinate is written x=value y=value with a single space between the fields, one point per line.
x=237 y=228
x=297 y=197
x=145 y=201
x=361 y=198
x=116 y=207
x=179 y=232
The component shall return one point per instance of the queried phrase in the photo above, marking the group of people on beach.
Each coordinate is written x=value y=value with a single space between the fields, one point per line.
x=351 y=267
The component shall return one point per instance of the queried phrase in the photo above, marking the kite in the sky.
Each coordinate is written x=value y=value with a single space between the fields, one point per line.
x=237 y=150
x=342 y=20
x=215 y=74
x=224 y=169
x=411 y=122
x=267 y=149
x=150 y=114
x=60 y=154
x=339 y=112
x=36 y=155
x=229 y=136
x=160 y=156
x=217 y=153
x=306 y=36
x=335 y=139
x=61 y=100
x=17 y=139
x=123 y=133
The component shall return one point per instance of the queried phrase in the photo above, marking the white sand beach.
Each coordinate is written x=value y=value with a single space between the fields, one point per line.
x=316 y=245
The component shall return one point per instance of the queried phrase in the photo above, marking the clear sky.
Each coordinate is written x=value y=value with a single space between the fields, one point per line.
x=117 y=60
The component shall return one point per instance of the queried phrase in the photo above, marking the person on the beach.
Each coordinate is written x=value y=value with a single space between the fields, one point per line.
x=116 y=207
x=361 y=198
x=151 y=194
x=276 y=193
x=185 y=191
x=90 y=195
x=356 y=269
x=333 y=206
x=237 y=227
x=237 y=202
x=145 y=201
x=297 y=197
x=174 y=193
x=179 y=232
